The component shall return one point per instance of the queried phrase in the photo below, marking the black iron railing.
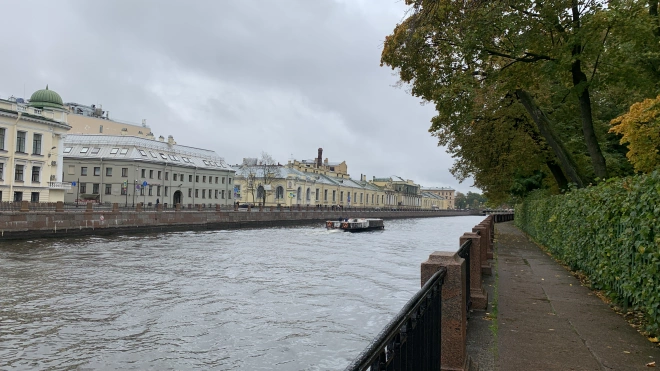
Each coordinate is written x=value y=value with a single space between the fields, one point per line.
x=464 y=252
x=411 y=341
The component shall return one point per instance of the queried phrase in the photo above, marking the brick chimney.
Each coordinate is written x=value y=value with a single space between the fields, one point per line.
x=319 y=159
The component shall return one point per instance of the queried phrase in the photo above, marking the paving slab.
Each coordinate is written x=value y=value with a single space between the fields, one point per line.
x=548 y=321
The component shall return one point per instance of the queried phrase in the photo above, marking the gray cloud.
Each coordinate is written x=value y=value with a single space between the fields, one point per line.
x=238 y=77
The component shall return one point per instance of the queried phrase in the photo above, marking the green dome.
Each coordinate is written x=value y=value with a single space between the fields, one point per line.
x=46 y=99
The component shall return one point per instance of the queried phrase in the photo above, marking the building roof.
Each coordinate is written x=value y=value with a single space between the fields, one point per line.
x=437 y=189
x=45 y=98
x=130 y=148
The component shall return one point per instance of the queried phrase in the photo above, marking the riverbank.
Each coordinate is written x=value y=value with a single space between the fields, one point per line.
x=48 y=224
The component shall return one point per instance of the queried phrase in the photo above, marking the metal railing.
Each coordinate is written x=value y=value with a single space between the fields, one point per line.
x=464 y=252
x=411 y=341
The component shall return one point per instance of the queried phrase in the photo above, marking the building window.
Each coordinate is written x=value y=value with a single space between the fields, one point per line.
x=18 y=174
x=34 y=197
x=20 y=141
x=166 y=189
x=141 y=191
x=334 y=196
x=159 y=174
x=97 y=171
x=229 y=180
x=18 y=196
x=181 y=177
x=108 y=189
x=223 y=194
x=204 y=179
x=114 y=151
x=157 y=190
x=83 y=187
x=108 y=171
x=203 y=193
x=95 y=188
x=216 y=180
x=2 y=173
x=36 y=144
x=216 y=194
x=83 y=171
x=100 y=128
x=84 y=150
x=189 y=192
x=124 y=191
x=167 y=175
x=124 y=172
x=144 y=173
x=197 y=193
x=36 y=171
x=151 y=190
x=2 y=139
x=190 y=178
x=123 y=151
x=316 y=195
x=223 y=180
x=151 y=174
x=196 y=178
x=341 y=196
x=279 y=192
x=175 y=176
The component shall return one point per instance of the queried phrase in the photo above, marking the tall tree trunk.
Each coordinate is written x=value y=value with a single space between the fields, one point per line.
x=653 y=11
x=559 y=176
x=545 y=128
x=582 y=85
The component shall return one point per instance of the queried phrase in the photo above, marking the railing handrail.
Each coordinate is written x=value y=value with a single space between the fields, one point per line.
x=371 y=352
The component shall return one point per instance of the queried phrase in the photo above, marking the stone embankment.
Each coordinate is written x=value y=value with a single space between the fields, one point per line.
x=61 y=222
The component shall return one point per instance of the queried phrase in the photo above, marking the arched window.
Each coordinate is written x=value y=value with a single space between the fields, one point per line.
x=279 y=192
x=299 y=194
x=260 y=192
x=309 y=194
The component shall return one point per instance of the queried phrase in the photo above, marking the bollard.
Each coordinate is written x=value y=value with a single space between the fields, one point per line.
x=249 y=207
x=454 y=312
x=59 y=207
x=478 y=295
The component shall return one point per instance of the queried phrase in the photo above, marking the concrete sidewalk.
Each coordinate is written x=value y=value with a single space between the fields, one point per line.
x=546 y=320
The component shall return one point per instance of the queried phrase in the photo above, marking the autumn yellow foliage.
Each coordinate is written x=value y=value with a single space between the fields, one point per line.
x=640 y=129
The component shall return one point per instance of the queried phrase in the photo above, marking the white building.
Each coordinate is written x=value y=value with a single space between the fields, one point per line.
x=128 y=170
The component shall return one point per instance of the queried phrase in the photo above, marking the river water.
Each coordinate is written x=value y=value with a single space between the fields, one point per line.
x=255 y=299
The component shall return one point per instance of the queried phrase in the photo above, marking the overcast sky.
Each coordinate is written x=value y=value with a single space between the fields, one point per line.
x=239 y=77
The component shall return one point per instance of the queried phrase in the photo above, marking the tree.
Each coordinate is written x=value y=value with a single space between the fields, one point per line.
x=472 y=58
x=460 y=201
x=267 y=171
x=640 y=129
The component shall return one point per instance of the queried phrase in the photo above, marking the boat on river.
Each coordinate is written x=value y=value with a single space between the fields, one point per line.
x=356 y=224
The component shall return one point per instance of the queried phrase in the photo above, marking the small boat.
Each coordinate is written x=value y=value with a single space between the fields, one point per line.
x=356 y=224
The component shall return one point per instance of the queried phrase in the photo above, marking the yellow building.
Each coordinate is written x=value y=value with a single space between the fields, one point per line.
x=400 y=193
x=446 y=192
x=31 y=148
x=94 y=120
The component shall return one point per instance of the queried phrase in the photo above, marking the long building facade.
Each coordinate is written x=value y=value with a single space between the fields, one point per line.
x=129 y=170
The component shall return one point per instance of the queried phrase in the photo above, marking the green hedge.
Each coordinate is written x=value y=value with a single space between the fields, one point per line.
x=610 y=232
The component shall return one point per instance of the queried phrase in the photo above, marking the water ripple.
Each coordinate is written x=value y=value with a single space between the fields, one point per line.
x=259 y=299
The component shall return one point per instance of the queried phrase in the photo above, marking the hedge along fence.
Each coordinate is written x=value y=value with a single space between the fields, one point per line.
x=610 y=232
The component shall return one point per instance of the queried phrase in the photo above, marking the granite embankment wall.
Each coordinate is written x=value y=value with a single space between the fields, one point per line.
x=36 y=224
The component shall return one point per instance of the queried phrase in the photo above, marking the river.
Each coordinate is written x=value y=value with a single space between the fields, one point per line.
x=253 y=299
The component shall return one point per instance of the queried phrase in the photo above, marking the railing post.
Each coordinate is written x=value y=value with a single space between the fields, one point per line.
x=59 y=207
x=478 y=295
x=115 y=207
x=454 y=317
x=138 y=207
x=217 y=208
x=90 y=207
x=483 y=249
x=25 y=206
x=159 y=207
